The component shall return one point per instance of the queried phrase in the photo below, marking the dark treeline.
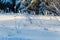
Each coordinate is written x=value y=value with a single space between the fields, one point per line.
x=30 y=6
x=7 y=5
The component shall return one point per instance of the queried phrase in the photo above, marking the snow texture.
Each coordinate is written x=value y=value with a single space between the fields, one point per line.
x=29 y=27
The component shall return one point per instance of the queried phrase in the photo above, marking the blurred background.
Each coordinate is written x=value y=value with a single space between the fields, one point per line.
x=34 y=7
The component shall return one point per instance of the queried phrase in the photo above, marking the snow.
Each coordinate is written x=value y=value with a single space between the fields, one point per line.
x=29 y=27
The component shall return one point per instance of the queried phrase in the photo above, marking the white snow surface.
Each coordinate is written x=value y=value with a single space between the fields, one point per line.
x=29 y=27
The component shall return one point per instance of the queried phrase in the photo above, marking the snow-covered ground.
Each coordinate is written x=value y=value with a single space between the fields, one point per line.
x=29 y=27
